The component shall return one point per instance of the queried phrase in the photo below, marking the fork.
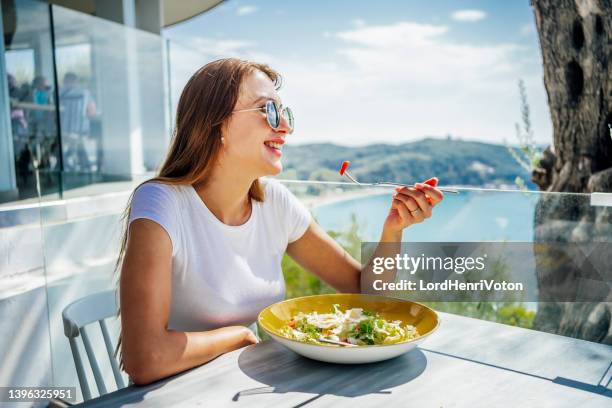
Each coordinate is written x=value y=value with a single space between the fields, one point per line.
x=337 y=343
x=386 y=183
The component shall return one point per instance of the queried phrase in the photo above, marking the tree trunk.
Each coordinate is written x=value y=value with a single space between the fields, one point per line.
x=576 y=43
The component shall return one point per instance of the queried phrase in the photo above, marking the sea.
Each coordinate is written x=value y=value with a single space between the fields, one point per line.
x=470 y=216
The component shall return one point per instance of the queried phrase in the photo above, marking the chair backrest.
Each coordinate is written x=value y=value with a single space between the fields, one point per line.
x=77 y=315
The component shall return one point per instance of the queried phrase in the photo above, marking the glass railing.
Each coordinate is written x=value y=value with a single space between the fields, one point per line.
x=76 y=241
x=25 y=330
x=526 y=229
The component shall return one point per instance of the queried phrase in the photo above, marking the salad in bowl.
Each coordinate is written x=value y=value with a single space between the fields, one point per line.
x=354 y=326
x=348 y=328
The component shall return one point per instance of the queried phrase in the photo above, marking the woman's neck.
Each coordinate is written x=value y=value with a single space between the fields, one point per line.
x=227 y=196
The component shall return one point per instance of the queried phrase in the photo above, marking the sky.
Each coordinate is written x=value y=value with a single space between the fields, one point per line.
x=361 y=72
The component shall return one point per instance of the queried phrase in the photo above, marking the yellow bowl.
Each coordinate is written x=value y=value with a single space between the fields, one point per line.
x=273 y=318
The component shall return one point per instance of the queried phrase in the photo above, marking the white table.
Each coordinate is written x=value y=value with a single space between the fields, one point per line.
x=466 y=363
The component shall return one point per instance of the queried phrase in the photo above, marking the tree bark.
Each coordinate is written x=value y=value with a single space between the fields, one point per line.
x=576 y=43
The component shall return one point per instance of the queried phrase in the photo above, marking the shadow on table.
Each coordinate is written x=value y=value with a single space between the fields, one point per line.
x=285 y=371
x=132 y=394
x=599 y=388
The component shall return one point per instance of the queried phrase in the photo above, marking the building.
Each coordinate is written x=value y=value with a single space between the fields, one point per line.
x=85 y=112
x=105 y=66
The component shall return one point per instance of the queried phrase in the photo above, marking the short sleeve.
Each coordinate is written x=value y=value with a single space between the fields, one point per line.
x=157 y=202
x=295 y=215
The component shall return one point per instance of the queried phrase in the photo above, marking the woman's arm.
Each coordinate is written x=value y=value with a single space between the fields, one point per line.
x=321 y=255
x=149 y=350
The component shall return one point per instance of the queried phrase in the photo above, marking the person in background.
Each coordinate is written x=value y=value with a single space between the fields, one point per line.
x=17 y=94
x=76 y=109
x=20 y=130
x=42 y=122
x=41 y=91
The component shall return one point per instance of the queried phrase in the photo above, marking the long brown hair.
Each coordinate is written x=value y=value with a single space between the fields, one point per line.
x=207 y=101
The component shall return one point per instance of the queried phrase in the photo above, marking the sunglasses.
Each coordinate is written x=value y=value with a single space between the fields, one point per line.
x=274 y=113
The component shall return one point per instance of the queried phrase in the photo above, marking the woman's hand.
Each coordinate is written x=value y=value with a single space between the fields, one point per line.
x=250 y=337
x=412 y=205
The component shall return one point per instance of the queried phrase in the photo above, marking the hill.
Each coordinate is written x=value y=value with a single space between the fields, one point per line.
x=452 y=161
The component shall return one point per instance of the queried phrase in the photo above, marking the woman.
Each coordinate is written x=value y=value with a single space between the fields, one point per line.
x=205 y=238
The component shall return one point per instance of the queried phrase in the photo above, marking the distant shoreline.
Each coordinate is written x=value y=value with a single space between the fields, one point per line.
x=331 y=197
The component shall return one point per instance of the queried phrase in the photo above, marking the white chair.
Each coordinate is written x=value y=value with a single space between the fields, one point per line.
x=77 y=315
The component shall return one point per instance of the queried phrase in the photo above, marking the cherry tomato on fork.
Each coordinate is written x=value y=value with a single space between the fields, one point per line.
x=344 y=166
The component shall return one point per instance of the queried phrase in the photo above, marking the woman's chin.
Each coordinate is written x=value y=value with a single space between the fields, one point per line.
x=276 y=169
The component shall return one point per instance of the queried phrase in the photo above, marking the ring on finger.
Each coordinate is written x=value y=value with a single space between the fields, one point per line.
x=413 y=211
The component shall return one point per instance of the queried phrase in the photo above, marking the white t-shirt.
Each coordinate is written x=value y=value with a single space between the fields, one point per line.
x=222 y=275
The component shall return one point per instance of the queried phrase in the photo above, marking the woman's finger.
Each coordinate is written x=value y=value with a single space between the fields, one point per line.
x=432 y=181
x=410 y=202
x=418 y=216
x=411 y=205
x=432 y=192
x=403 y=211
x=420 y=198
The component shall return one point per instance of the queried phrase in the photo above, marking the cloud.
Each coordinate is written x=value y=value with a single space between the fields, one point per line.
x=394 y=83
x=215 y=47
x=527 y=30
x=403 y=81
x=414 y=52
x=391 y=36
x=244 y=10
x=187 y=59
x=358 y=22
x=468 y=16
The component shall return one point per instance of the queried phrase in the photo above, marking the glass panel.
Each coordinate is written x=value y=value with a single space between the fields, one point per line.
x=82 y=239
x=25 y=356
x=29 y=66
x=113 y=101
x=354 y=215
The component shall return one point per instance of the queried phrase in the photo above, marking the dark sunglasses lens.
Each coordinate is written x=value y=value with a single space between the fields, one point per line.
x=272 y=114
x=288 y=114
